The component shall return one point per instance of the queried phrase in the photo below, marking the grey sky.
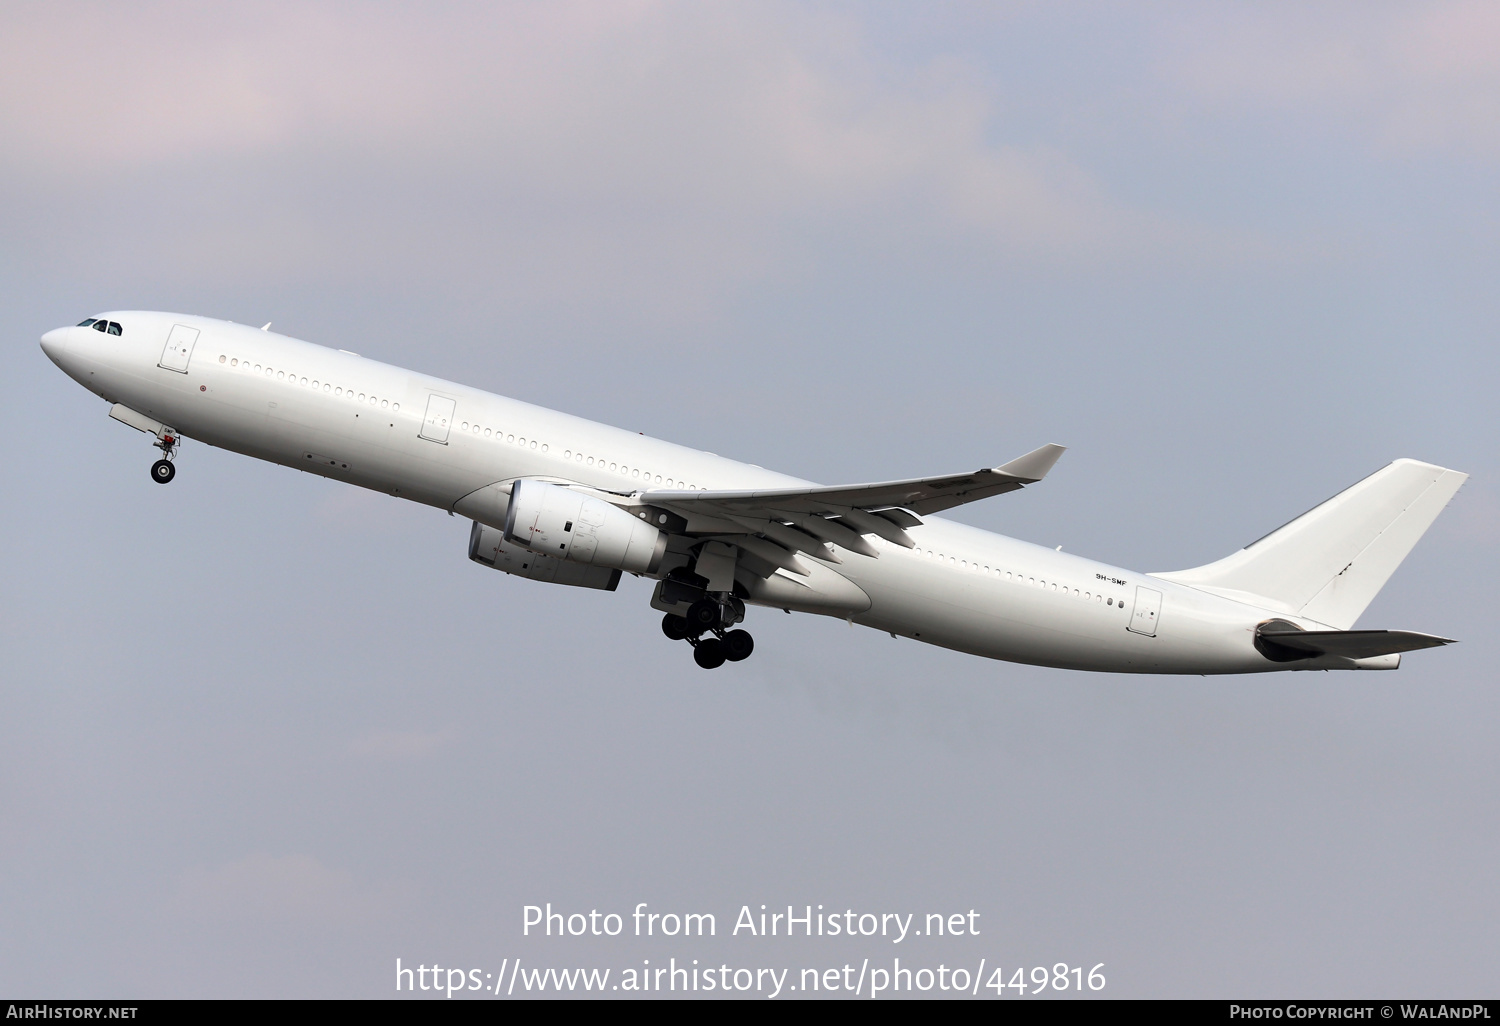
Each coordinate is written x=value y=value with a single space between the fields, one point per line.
x=261 y=734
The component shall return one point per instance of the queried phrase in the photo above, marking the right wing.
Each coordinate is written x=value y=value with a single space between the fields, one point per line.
x=776 y=524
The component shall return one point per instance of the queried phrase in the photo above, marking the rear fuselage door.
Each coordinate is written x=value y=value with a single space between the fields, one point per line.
x=1147 y=611
x=179 y=349
x=439 y=419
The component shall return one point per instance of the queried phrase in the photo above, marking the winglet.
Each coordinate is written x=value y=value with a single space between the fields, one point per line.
x=1034 y=465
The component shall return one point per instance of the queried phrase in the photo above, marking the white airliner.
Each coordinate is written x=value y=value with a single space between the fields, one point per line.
x=563 y=500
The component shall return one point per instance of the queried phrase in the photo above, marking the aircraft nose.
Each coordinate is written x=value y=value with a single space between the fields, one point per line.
x=55 y=344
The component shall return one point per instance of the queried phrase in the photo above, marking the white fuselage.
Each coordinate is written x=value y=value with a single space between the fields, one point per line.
x=343 y=416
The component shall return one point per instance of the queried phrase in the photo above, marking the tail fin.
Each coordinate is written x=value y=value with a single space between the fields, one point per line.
x=1330 y=562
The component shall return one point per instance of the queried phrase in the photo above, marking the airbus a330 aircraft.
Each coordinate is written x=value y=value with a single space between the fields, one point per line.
x=563 y=500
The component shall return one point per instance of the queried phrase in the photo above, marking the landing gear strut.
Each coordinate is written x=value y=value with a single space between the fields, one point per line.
x=706 y=628
x=162 y=470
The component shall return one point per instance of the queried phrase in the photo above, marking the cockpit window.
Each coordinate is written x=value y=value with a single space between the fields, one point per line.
x=101 y=325
x=111 y=327
x=114 y=328
x=85 y=324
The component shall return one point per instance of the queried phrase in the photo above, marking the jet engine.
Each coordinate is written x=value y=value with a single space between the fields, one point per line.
x=488 y=547
x=579 y=528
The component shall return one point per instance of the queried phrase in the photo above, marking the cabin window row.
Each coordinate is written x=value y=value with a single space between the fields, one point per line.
x=500 y=436
x=291 y=378
x=599 y=463
x=635 y=473
x=1030 y=580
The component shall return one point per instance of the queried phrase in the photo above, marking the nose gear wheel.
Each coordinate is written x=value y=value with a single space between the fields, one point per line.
x=163 y=470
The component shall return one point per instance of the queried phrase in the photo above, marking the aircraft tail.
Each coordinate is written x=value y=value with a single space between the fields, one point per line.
x=1329 y=563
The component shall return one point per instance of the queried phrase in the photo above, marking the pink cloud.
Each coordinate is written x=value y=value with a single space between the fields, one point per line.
x=728 y=114
x=1412 y=78
x=267 y=888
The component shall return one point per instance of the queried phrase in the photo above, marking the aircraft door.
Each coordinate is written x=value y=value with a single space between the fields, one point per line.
x=179 y=348
x=1147 y=611
x=439 y=419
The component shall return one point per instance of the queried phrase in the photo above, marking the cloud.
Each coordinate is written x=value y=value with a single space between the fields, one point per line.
x=617 y=146
x=1417 y=78
x=266 y=888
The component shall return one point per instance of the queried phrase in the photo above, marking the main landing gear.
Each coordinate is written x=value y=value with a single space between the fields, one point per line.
x=706 y=628
x=163 y=470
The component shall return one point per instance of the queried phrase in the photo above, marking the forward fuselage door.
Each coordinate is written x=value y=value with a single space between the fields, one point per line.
x=439 y=419
x=179 y=349
x=1147 y=611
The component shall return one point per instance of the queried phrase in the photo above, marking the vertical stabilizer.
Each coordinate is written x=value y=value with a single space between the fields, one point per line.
x=1329 y=563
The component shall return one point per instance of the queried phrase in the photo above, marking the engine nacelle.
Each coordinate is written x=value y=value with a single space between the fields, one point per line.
x=488 y=547
x=579 y=528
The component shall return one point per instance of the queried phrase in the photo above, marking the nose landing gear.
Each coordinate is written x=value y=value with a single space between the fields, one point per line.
x=163 y=470
x=706 y=628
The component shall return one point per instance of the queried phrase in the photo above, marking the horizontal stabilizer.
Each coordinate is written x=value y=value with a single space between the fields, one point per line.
x=1349 y=644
